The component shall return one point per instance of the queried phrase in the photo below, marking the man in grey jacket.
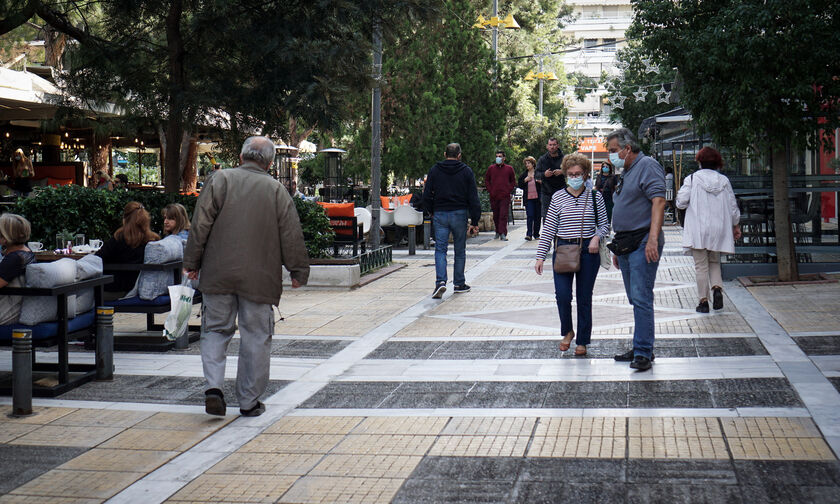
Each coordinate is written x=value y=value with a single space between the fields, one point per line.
x=244 y=230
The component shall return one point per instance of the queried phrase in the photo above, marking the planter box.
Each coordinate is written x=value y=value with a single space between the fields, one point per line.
x=335 y=276
x=486 y=222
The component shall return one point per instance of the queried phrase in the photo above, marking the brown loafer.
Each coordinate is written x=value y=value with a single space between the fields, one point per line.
x=566 y=342
x=580 y=350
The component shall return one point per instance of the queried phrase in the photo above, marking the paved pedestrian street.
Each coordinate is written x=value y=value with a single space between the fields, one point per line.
x=383 y=394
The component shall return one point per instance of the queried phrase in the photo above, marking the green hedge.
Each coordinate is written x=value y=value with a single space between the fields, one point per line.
x=97 y=214
x=317 y=232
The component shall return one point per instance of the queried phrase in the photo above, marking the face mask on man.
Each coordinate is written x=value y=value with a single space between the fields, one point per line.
x=575 y=182
x=616 y=161
x=498 y=160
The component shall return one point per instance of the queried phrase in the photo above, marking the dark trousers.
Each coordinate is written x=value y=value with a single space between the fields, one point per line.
x=532 y=210
x=584 y=284
x=500 y=208
x=545 y=199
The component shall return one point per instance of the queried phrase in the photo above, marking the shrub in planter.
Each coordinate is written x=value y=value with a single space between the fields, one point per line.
x=317 y=232
x=95 y=213
x=484 y=199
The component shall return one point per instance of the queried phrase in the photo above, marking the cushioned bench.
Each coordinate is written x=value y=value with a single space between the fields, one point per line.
x=150 y=307
x=58 y=332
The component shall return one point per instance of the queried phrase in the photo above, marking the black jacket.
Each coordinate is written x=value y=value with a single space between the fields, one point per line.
x=550 y=185
x=450 y=185
x=520 y=182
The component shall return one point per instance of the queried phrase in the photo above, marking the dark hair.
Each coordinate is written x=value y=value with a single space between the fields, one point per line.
x=709 y=158
x=452 y=151
x=553 y=139
x=668 y=169
x=501 y=151
x=122 y=177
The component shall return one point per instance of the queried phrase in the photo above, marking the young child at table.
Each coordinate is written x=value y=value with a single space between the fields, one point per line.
x=14 y=233
x=176 y=221
x=127 y=246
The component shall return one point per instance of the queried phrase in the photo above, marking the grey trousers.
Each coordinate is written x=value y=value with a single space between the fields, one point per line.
x=256 y=325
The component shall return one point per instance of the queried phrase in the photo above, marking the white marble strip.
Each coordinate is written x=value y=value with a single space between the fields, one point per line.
x=282 y=368
x=159 y=485
x=112 y=405
x=595 y=336
x=549 y=370
x=555 y=412
x=815 y=333
x=827 y=364
x=816 y=392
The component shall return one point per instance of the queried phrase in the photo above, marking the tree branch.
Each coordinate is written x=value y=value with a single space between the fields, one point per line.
x=18 y=18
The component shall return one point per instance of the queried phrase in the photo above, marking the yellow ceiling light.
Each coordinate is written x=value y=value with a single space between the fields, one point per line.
x=550 y=76
x=540 y=75
x=530 y=76
x=480 y=22
x=510 y=23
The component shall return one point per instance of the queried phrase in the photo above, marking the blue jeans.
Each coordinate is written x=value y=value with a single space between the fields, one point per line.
x=584 y=284
x=532 y=210
x=639 y=277
x=454 y=221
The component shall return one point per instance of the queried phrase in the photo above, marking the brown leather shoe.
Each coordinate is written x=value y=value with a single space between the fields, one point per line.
x=580 y=350
x=566 y=342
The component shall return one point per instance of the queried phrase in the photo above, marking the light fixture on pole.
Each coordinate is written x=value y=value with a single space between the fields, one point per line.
x=542 y=76
x=494 y=23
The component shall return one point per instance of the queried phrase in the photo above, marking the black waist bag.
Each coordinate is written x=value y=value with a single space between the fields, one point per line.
x=625 y=242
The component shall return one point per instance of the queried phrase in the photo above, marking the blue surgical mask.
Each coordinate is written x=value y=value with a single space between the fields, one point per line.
x=616 y=161
x=575 y=182
x=498 y=160
x=605 y=170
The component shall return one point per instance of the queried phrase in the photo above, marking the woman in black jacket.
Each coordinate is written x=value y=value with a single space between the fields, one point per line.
x=531 y=196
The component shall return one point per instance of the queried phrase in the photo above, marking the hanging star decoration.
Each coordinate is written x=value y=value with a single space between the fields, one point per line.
x=620 y=77
x=651 y=68
x=622 y=65
x=617 y=101
x=640 y=95
x=662 y=96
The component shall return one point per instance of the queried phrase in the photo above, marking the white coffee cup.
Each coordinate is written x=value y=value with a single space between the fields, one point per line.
x=35 y=246
x=95 y=244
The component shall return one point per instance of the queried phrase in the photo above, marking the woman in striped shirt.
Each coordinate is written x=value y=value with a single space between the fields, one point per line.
x=575 y=212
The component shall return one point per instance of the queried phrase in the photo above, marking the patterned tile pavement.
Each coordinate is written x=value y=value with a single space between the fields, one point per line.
x=726 y=415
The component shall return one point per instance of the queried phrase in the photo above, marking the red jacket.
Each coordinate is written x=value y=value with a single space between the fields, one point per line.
x=499 y=181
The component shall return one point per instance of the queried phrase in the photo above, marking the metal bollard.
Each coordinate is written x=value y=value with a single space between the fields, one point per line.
x=21 y=372
x=427 y=234
x=105 y=343
x=412 y=240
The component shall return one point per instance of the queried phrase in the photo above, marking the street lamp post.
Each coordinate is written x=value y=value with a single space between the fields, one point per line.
x=493 y=23
x=542 y=76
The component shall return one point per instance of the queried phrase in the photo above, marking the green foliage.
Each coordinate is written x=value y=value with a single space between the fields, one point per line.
x=754 y=72
x=484 y=199
x=96 y=214
x=634 y=112
x=311 y=170
x=439 y=89
x=317 y=232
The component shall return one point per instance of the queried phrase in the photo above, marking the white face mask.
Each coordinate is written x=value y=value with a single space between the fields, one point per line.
x=498 y=160
x=616 y=161
x=575 y=182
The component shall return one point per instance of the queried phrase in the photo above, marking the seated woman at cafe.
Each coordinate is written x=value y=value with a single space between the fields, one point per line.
x=176 y=221
x=14 y=233
x=103 y=181
x=127 y=246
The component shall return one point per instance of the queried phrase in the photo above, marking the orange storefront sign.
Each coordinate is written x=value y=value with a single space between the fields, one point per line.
x=592 y=144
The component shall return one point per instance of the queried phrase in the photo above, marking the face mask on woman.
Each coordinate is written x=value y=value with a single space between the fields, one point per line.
x=575 y=182
x=605 y=170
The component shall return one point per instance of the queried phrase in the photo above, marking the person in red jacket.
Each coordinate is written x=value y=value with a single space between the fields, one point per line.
x=499 y=182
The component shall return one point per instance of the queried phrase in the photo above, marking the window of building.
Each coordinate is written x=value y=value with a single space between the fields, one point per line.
x=608 y=45
x=590 y=42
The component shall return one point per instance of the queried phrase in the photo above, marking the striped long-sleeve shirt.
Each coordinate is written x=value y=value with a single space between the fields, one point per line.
x=563 y=219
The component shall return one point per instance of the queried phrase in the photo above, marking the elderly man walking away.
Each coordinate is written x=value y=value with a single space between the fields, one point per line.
x=549 y=173
x=637 y=220
x=244 y=230
x=451 y=196
x=499 y=180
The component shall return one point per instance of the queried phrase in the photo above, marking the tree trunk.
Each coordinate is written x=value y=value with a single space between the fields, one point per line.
x=189 y=177
x=54 y=44
x=785 y=248
x=177 y=88
x=99 y=154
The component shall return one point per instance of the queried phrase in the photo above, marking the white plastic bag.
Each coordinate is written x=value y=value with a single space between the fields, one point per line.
x=181 y=297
